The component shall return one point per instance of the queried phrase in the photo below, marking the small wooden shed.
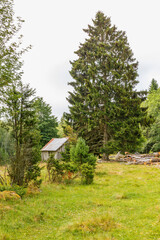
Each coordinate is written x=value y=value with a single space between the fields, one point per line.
x=54 y=146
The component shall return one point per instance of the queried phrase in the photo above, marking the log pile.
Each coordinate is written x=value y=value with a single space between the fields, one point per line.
x=141 y=159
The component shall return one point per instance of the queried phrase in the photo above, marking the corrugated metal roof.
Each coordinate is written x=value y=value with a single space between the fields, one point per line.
x=54 y=144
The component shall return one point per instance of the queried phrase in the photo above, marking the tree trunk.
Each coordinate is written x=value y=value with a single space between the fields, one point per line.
x=105 y=140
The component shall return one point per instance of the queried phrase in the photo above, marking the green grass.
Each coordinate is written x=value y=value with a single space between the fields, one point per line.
x=123 y=203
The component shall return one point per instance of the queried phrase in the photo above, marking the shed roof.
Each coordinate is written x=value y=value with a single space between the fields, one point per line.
x=54 y=144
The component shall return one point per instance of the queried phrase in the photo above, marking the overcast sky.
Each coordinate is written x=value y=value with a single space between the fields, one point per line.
x=54 y=29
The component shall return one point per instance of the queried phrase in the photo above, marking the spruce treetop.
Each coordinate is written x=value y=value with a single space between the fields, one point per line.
x=153 y=86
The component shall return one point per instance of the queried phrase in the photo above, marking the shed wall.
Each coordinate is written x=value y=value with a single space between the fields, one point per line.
x=45 y=155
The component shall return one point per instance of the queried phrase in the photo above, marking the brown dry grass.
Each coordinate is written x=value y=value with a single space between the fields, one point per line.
x=93 y=224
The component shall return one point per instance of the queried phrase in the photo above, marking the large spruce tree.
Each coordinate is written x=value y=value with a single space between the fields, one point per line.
x=104 y=106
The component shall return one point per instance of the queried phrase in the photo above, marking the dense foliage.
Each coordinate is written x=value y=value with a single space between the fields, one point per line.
x=20 y=114
x=47 y=123
x=10 y=47
x=6 y=143
x=153 y=86
x=75 y=160
x=79 y=154
x=104 y=107
x=55 y=169
x=152 y=133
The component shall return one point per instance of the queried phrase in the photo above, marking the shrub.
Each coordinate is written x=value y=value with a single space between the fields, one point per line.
x=91 y=160
x=75 y=159
x=80 y=154
x=55 y=168
x=87 y=172
x=84 y=160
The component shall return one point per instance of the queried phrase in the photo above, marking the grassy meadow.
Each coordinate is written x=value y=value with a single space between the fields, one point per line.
x=122 y=203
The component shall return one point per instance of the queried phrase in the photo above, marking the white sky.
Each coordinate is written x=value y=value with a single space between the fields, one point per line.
x=54 y=29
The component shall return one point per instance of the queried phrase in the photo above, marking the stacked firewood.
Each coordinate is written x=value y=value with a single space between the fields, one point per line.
x=144 y=159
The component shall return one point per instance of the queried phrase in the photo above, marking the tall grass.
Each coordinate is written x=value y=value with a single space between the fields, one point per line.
x=123 y=203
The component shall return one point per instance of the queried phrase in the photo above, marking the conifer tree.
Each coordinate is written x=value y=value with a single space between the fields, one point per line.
x=47 y=123
x=20 y=114
x=153 y=86
x=104 y=107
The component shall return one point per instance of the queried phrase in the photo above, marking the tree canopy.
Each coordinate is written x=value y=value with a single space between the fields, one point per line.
x=152 y=133
x=20 y=114
x=153 y=86
x=47 y=123
x=104 y=105
x=10 y=44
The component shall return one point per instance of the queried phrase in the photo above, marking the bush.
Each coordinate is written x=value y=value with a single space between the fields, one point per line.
x=87 y=172
x=80 y=154
x=83 y=160
x=91 y=160
x=55 y=168
x=75 y=159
